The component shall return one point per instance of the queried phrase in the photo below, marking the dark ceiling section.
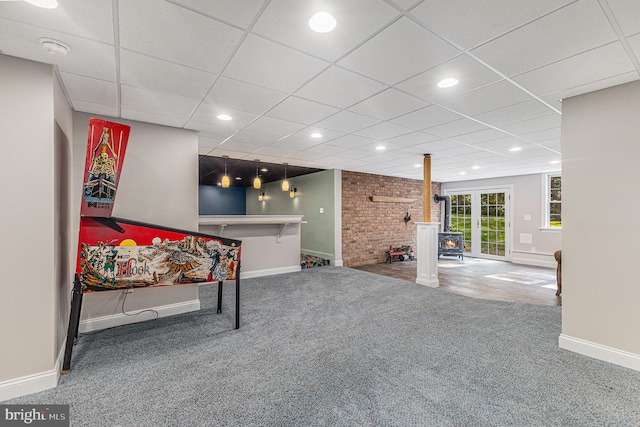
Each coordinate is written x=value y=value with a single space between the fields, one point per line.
x=212 y=170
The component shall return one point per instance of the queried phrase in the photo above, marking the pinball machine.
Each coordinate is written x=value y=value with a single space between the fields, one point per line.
x=117 y=254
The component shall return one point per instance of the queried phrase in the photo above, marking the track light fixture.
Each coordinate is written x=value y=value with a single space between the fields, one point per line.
x=261 y=196
x=293 y=192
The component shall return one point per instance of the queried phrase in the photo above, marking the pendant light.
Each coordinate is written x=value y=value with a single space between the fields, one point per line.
x=285 y=183
x=256 y=181
x=225 y=178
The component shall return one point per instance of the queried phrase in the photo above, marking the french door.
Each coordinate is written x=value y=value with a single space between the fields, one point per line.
x=483 y=218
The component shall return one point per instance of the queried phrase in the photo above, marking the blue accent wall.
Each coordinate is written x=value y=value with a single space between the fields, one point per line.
x=214 y=200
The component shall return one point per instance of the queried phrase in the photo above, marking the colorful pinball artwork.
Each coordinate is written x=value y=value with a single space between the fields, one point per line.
x=106 y=147
x=134 y=254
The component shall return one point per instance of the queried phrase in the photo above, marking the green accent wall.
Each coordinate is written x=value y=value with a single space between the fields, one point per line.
x=315 y=191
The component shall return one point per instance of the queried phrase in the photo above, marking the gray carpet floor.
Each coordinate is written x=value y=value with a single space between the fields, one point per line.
x=338 y=346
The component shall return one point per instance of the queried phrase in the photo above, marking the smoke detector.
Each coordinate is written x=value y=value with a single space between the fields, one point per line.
x=54 y=47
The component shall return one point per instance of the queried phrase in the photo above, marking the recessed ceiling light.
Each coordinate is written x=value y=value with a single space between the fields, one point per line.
x=264 y=170
x=463 y=173
x=316 y=135
x=554 y=162
x=515 y=149
x=45 y=4
x=238 y=178
x=417 y=165
x=224 y=117
x=475 y=167
x=381 y=147
x=322 y=22
x=448 y=82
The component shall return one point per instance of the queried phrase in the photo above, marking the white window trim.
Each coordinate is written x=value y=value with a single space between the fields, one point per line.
x=546 y=196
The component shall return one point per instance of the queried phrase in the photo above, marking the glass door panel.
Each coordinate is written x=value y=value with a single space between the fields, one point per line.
x=482 y=217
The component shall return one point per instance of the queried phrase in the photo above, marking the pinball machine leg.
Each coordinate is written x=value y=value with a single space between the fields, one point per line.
x=219 y=296
x=238 y=297
x=74 y=322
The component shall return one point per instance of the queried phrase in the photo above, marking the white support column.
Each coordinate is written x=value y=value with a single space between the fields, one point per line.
x=427 y=248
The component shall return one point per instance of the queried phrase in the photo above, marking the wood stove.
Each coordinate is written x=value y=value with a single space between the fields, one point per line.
x=449 y=242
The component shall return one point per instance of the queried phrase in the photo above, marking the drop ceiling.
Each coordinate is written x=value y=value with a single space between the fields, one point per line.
x=369 y=83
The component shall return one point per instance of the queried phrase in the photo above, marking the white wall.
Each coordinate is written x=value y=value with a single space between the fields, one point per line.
x=600 y=291
x=27 y=293
x=159 y=185
x=526 y=199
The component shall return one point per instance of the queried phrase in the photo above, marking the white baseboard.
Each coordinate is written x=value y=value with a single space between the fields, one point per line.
x=434 y=283
x=35 y=383
x=318 y=254
x=269 y=271
x=120 y=319
x=533 y=258
x=600 y=352
x=338 y=263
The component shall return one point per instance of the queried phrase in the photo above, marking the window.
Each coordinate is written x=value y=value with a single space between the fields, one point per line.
x=553 y=217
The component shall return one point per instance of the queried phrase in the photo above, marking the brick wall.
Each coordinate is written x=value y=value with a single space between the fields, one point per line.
x=369 y=228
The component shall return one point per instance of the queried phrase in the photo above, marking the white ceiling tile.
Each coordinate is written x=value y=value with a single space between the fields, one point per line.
x=384 y=130
x=347 y=122
x=164 y=30
x=327 y=149
x=458 y=127
x=236 y=12
x=301 y=110
x=159 y=103
x=327 y=134
x=439 y=145
x=542 y=135
x=470 y=23
x=388 y=104
x=256 y=63
x=487 y=98
x=90 y=107
x=286 y=21
x=470 y=75
x=151 y=73
x=304 y=155
x=634 y=42
x=514 y=113
x=339 y=88
x=392 y=44
x=627 y=13
x=594 y=65
x=550 y=121
x=352 y=141
x=90 y=20
x=207 y=113
x=547 y=39
x=294 y=144
x=254 y=137
x=480 y=136
x=590 y=87
x=147 y=117
x=426 y=117
x=86 y=89
x=208 y=141
x=412 y=138
x=273 y=126
x=271 y=150
x=210 y=130
x=21 y=40
x=243 y=96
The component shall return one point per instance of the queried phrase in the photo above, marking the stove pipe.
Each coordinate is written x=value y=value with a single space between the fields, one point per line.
x=447 y=210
